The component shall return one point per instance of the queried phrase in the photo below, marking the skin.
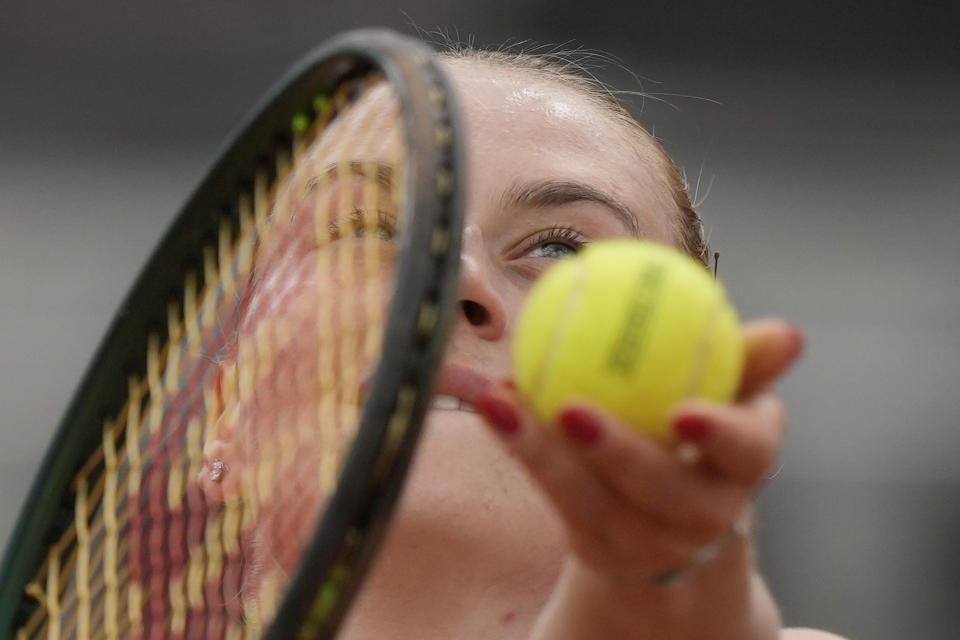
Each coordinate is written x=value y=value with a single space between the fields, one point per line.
x=512 y=529
x=508 y=529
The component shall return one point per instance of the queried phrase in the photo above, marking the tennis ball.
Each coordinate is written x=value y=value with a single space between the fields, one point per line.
x=632 y=326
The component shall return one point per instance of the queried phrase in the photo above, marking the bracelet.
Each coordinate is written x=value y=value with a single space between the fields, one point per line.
x=702 y=556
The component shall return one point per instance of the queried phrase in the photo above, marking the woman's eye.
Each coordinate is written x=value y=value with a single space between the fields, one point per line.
x=555 y=243
x=553 y=250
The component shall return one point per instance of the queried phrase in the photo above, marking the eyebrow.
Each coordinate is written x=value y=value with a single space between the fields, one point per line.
x=383 y=172
x=552 y=193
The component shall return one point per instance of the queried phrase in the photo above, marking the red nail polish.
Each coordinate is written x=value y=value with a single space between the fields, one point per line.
x=580 y=425
x=498 y=413
x=692 y=427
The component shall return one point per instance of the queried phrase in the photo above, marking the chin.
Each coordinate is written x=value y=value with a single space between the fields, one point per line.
x=469 y=517
x=463 y=478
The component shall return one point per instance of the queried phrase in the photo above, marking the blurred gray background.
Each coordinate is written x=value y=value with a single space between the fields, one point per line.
x=823 y=137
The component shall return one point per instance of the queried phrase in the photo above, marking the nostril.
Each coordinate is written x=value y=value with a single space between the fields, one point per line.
x=476 y=314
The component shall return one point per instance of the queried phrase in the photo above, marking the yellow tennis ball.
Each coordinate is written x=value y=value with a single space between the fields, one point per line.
x=633 y=326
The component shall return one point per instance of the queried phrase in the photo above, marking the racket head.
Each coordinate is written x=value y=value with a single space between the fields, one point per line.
x=229 y=217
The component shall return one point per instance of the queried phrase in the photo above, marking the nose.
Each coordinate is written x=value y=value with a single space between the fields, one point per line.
x=480 y=305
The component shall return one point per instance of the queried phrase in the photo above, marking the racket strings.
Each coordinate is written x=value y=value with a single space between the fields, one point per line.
x=271 y=354
x=295 y=475
x=100 y=538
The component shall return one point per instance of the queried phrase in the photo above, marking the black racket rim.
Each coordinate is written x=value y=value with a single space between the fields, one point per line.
x=423 y=277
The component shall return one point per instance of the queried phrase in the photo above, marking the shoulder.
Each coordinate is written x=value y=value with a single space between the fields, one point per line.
x=808 y=634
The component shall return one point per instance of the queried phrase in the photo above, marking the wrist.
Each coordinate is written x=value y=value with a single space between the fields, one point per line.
x=724 y=598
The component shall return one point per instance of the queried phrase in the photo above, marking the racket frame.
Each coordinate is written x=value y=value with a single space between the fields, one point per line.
x=426 y=281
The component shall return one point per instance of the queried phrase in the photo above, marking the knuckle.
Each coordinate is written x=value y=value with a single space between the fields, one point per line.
x=764 y=443
x=672 y=555
x=711 y=525
x=772 y=412
x=760 y=469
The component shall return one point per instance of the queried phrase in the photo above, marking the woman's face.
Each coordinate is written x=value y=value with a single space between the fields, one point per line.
x=548 y=170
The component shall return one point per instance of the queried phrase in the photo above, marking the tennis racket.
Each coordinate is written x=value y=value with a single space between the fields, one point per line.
x=230 y=461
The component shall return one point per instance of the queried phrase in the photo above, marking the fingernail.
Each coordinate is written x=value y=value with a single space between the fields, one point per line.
x=498 y=413
x=580 y=425
x=692 y=427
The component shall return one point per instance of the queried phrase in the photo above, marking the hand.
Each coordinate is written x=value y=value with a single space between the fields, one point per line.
x=637 y=509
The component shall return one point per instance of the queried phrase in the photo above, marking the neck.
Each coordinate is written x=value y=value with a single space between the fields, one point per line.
x=473 y=556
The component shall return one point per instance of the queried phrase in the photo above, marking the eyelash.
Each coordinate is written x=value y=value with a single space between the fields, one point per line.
x=556 y=235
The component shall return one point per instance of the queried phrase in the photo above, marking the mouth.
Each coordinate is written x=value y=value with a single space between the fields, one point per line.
x=455 y=388
x=451 y=403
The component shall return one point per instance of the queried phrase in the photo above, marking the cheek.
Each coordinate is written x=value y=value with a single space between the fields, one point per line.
x=328 y=304
x=310 y=333
x=514 y=296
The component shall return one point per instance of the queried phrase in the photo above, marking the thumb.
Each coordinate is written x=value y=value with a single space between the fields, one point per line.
x=771 y=345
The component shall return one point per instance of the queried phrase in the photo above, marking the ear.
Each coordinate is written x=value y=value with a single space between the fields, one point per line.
x=219 y=478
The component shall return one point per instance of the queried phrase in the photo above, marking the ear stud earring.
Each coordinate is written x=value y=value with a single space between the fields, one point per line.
x=217 y=469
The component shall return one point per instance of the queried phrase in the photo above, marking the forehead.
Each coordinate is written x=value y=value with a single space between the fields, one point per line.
x=522 y=126
x=520 y=101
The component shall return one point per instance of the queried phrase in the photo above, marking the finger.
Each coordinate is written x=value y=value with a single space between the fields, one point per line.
x=542 y=456
x=770 y=347
x=739 y=441
x=651 y=477
x=600 y=524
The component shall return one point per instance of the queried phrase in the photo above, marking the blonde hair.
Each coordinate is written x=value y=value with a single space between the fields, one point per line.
x=567 y=71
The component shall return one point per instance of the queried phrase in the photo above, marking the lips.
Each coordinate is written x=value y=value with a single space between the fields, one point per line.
x=456 y=387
